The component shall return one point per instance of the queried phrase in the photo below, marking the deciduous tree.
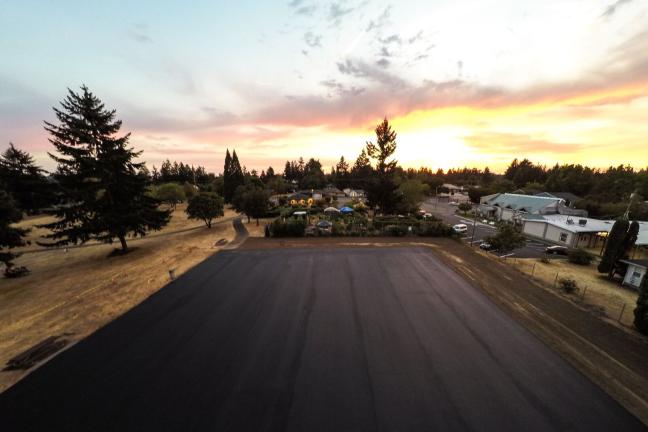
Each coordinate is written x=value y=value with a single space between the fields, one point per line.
x=507 y=238
x=205 y=206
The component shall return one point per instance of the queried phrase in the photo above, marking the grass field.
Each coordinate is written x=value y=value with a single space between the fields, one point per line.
x=594 y=289
x=77 y=291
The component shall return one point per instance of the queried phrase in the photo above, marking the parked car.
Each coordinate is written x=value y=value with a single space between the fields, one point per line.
x=453 y=203
x=460 y=228
x=486 y=246
x=556 y=250
x=325 y=227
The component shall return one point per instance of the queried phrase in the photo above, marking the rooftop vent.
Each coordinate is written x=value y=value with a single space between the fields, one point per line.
x=582 y=222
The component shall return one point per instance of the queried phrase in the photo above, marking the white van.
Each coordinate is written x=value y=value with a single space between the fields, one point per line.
x=460 y=228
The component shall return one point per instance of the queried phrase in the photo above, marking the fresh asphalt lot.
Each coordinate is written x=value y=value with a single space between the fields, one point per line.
x=364 y=339
x=445 y=211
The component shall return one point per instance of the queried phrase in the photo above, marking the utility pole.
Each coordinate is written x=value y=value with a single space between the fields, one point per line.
x=472 y=240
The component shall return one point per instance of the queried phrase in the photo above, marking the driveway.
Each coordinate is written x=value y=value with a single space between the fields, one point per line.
x=532 y=249
x=312 y=340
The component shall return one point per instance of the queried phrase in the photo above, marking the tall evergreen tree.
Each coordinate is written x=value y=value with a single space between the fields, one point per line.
x=10 y=237
x=382 y=188
x=614 y=246
x=227 y=177
x=24 y=180
x=103 y=186
x=341 y=173
x=237 y=175
x=361 y=171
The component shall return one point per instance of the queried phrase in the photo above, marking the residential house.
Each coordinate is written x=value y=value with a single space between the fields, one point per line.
x=577 y=232
x=570 y=231
x=333 y=192
x=354 y=193
x=452 y=188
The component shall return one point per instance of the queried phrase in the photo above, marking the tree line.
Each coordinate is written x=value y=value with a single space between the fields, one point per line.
x=99 y=190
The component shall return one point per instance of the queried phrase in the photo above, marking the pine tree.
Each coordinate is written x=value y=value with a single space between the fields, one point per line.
x=10 y=237
x=104 y=190
x=24 y=180
x=361 y=171
x=382 y=188
x=227 y=177
x=237 y=173
x=384 y=148
x=288 y=172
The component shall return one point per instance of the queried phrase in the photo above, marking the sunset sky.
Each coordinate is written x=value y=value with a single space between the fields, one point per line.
x=465 y=83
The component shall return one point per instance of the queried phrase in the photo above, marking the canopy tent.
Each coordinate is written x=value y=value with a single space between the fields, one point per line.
x=346 y=210
x=331 y=210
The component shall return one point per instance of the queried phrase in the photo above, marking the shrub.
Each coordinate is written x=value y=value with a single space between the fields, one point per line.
x=290 y=228
x=465 y=207
x=339 y=229
x=544 y=259
x=396 y=230
x=568 y=285
x=580 y=257
x=435 y=229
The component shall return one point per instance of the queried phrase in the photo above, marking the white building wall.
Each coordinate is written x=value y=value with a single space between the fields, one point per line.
x=507 y=215
x=554 y=234
x=534 y=229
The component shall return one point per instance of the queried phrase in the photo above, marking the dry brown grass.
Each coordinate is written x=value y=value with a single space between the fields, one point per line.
x=257 y=230
x=80 y=290
x=594 y=288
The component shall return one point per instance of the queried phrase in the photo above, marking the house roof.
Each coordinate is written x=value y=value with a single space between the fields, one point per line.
x=571 y=223
x=567 y=196
x=451 y=186
x=642 y=238
x=592 y=225
x=528 y=203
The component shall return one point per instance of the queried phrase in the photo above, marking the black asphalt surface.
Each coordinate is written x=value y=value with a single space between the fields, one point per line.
x=312 y=340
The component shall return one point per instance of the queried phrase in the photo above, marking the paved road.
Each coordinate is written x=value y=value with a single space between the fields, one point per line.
x=532 y=249
x=312 y=340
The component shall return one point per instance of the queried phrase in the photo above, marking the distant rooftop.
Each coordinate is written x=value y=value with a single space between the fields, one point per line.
x=527 y=203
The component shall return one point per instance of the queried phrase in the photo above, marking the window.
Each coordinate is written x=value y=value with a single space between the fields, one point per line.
x=563 y=237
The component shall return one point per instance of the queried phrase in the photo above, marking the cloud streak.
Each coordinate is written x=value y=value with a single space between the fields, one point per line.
x=612 y=8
